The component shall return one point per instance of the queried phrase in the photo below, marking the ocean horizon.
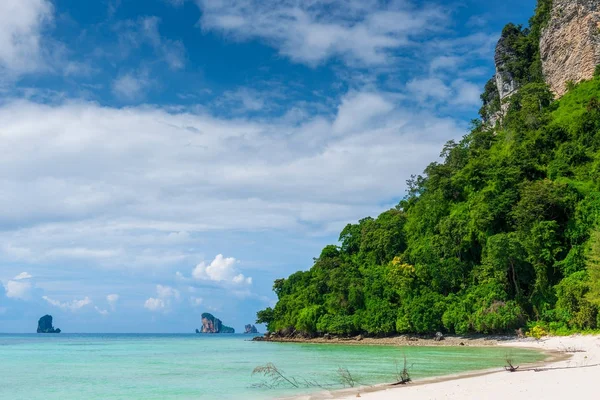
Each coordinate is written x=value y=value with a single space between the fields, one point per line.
x=202 y=366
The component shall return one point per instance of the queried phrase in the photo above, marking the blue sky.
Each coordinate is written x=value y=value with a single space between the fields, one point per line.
x=163 y=158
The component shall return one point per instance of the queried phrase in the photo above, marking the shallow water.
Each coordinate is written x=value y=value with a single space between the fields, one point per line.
x=142 y=366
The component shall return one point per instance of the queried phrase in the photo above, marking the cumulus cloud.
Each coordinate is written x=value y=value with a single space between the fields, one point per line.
x=19 y=287
x=221 y=269
x=165 y=294
x=73 y=305
x=154 y=304
x=116 y=199
x=21 y=26
x=359 y=31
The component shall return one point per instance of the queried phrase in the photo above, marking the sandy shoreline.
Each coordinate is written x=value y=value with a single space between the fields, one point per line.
x=570 y=369
x=403 y=340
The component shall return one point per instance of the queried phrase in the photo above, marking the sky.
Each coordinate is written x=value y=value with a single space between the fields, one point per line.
x=165 y=158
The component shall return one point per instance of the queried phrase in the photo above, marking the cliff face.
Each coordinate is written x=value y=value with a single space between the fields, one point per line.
x=505 y=54
x=250 y=329
x=505 y=81
x=570 y=43
x=210 y=324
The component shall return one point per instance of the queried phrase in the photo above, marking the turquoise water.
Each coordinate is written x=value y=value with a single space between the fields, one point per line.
x=134 y=366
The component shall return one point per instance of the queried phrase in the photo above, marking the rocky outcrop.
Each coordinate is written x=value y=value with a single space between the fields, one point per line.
x=250 y=329
x=570 y=43
x=45 y=325
x=505 y=55
x=504 y=83
x=210 y=324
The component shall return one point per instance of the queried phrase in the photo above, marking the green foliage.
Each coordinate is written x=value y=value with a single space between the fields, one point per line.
x=593 y=268
x=490 y=99
x=501 y=234
x=537 y=332
x=266 y=316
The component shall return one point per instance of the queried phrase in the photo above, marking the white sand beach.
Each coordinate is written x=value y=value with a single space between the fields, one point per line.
x=576 y=374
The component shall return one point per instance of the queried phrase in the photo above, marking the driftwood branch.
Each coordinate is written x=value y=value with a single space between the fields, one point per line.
x=402 y=375
x=510 y=367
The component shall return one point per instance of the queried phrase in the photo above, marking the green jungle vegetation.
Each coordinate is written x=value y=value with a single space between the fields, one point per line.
x=502 y=234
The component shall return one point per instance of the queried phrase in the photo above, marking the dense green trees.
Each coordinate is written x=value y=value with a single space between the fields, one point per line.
x=502 y=233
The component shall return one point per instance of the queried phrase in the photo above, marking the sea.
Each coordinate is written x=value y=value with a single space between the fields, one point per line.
x=191 y=366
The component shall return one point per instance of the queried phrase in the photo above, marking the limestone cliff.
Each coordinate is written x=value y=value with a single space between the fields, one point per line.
x=504 y=56
x=250 y=329
x=210 y=324
x=506 y=80
x=45 y=325
x=561 y=45
x=570 y=43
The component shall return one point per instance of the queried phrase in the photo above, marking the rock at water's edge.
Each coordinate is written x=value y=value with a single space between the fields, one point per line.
x=250 y=329
x=45 y=325
x=210 y=324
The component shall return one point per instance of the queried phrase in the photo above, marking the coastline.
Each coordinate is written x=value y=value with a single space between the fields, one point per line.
x=400 y=340
x=569 y=368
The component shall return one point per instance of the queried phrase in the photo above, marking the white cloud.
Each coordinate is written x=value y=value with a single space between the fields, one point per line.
x=112 y=300
x=363 y=31
x=173 y=52
x=23 y=275
x=180 y=277
x=358 y=109
x=434 y=91
x=179 y=237
x=73 y=305
x=221 y=269
x=101 y=311
x=131 y=86
x=144 y=31
x=466 y=93
x=429 y=89
x=166 y=292
x=18 y=289
x=113 y=185
x=81 y=252
x=21 y=26
x=163 y=300
x=241 y=100
x=154 y=304
x=241 y=279
x=196 y=301
x=445 y=62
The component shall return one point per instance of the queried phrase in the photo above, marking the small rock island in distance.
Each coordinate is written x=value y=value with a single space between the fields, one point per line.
x=210 y=324
x=45 y=325
x=250 y=329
